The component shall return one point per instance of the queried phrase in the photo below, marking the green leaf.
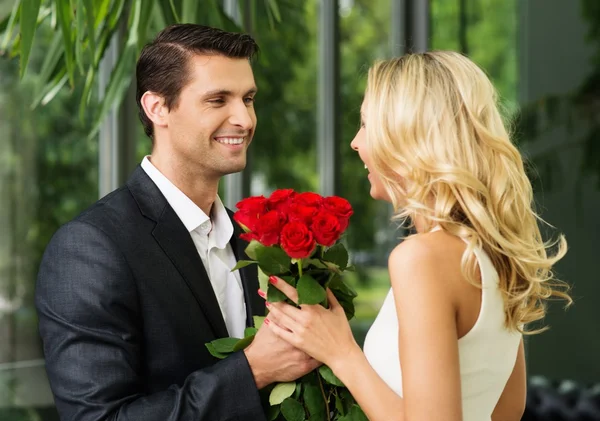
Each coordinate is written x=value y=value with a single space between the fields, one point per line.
x=87 y=92
x=243 y=343
x=329 y=377
x=339 y=405
x=274 y=8
x=65 y=17
x=347 y=305
x=309 y=291
x=263 y=280
x=80 y=25
x=10 y=25
x=242 y=264
x=314 y=262
x=174 y=11
x=90 y=18
x=273 y=260
x=281 y=391
x=338 y=284
x=274 y=295
x=148 y=7
x=273 y=412
x=250 y=331
x=53 y=56
x=313 y=399
x=252 y=248
x=298 y=390
x=355 y=414
x=214 y=352
x=51 y=89
x=224 y=345
x=258 y=321
x=189 y=9
x=292 y=410
x=119 y=82
x=337 y=255
x=101 y=9
x=28 y=24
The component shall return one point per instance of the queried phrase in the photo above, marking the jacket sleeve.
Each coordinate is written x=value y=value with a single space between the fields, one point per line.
x=86 y=300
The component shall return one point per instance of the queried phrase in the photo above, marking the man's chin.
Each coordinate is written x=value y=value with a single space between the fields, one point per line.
x=234 y=169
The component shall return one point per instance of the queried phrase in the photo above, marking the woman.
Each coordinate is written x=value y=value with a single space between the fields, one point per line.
x=447 y=343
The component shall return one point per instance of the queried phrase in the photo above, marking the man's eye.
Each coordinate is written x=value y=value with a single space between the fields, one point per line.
x=217 y=101
x=249 y=100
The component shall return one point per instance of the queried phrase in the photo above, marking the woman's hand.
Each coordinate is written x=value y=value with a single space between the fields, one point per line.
x=322 y=333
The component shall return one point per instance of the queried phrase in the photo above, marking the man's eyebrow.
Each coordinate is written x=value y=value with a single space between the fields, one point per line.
x=226 y=92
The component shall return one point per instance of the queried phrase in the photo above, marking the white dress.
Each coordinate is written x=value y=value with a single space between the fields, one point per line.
x=487 y=353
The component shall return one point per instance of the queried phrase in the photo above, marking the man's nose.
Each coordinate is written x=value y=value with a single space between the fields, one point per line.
x=242 y=116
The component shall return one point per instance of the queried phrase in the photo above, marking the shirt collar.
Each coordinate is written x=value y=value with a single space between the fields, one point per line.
x=189 y=213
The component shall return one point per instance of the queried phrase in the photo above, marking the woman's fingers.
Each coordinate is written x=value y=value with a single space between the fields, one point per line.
x=284 y=287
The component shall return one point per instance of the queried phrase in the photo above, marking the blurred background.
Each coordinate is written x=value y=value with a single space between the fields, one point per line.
x=69 y=134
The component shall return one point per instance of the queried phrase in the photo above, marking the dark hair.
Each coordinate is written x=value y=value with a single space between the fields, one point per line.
x=163 y=64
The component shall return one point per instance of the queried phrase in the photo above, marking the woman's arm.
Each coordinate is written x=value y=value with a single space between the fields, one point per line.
x=511 y=405
x=423 y=286
x=428 y=340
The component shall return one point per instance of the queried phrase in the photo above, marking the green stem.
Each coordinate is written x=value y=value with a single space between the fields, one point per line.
x=324 y=397
x=299 y=268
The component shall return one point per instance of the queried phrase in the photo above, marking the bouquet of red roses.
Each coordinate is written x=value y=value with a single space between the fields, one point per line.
x=295 y=236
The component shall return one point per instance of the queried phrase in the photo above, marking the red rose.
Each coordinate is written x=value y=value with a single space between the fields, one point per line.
x=268 y=227
x=301 y=213
x=297 y=240
x=326 y=228
x=340 y=207
x=249 y=236
x=250 y=210
x=254 y=204
x=280 y=199
x=309 y=199
x=247 y=220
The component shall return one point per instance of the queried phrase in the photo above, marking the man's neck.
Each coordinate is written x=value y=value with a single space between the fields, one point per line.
x=200 y=189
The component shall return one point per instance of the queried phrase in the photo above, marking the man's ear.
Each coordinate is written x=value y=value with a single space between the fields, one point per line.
x=155 y=108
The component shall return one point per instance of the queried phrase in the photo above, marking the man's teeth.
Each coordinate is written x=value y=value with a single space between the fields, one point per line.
x=230 y=140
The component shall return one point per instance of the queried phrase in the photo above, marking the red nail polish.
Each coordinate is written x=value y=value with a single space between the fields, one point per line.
x=268 y=304
x=272 y=280
x=267 y=321
x=261 y=293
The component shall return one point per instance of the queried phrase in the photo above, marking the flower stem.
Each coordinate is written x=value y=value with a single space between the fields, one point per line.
x=324 y=397
x=299 y=268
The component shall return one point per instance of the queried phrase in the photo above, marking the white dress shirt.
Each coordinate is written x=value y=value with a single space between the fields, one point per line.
x=211 y=237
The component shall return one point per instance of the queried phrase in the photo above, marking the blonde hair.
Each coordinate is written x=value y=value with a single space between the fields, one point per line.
x=441 y=149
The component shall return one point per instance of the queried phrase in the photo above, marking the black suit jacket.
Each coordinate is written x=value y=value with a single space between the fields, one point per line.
x=125 y=309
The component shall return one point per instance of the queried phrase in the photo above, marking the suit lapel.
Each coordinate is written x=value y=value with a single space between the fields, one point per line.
x=255 y=305
x=176 y=242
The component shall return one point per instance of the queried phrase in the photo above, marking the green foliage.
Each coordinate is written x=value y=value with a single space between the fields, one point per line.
x=310 y=291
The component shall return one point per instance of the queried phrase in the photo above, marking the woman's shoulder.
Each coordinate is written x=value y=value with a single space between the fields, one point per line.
x=438 y=247
x=432 y=257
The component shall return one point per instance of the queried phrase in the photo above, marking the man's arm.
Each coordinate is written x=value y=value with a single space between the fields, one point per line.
x=86 y=301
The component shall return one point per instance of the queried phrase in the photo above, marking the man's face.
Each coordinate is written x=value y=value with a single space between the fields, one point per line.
x=212 y=125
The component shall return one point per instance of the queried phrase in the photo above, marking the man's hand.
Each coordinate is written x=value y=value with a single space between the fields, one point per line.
x=272 y=359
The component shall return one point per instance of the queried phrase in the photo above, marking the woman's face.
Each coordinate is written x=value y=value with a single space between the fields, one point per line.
x=377 y=192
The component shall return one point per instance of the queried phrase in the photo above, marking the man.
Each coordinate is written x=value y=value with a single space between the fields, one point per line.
x=131 y=290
